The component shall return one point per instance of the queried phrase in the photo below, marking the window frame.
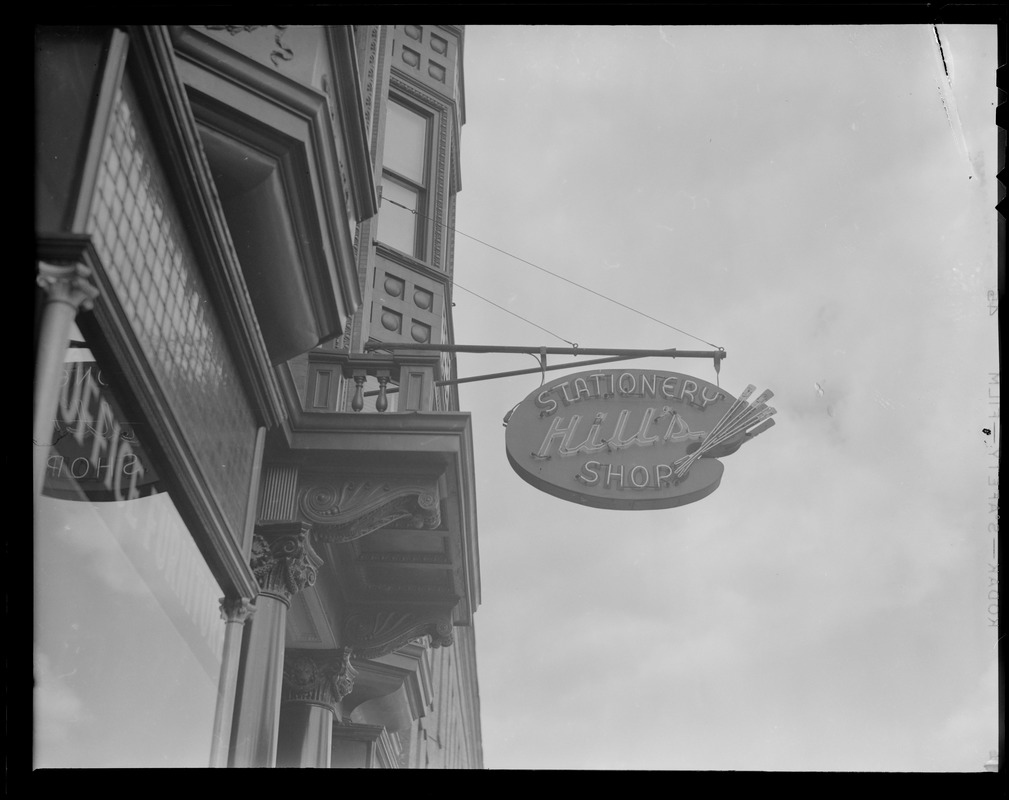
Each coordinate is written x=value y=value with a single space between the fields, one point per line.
x=423 y=191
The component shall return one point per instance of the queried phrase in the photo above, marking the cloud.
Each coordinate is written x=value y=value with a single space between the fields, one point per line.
x=820 y=609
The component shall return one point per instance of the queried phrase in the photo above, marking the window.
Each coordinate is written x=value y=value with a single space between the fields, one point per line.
x=404 y=213
x=128 y=636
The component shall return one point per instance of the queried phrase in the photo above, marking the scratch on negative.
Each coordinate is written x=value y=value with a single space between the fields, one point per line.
x=948 y=100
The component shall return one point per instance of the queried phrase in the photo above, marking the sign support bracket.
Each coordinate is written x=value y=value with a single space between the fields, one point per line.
x=611 y=354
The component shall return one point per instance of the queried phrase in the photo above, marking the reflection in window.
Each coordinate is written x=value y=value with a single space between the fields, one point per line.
x=405 y=180
x=399 y=225
x=406 y=143
x=128 y=637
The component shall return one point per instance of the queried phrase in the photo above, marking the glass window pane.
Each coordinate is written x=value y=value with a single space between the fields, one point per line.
x=128 y=636
x=406 y=142
x=397 y=227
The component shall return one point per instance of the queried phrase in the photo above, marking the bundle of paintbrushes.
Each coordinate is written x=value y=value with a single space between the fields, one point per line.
x=741 y=423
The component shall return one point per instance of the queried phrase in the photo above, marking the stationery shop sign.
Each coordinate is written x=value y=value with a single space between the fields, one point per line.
x=630 y=439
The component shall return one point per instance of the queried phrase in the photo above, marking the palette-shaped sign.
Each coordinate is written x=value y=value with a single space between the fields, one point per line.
x=630 y=439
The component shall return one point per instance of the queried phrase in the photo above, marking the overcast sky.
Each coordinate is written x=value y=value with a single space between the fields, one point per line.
x=819 y=202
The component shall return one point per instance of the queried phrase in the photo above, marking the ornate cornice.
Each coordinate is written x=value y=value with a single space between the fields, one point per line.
x=342 y=509
x=324 y=677
x=283 y=559
x=374 y=632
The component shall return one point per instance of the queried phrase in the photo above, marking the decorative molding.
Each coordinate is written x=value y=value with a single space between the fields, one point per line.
x=412 y=263
x=404 y=558
x=383 y=749
x=369 y=81
x=282 y=51
x=442 y=195
x=346 y=508
x=327 y=87
x=237 y=609
x=283 y=559
x=324 y=677
x=347 y=100
x=378 y=631
x=278 y=497
x=405 y=591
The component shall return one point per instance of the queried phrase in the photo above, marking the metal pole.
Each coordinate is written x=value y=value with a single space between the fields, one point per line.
x=567 y=351
x=531 y=370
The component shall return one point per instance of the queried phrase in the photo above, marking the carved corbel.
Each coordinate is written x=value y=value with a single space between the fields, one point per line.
x=378 y=631
x=324 y=677
x=342 y=509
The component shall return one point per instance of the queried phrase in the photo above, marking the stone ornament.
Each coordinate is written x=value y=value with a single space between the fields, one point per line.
x=345 y=509
x=378 y=632
x=237 y=609
x=283 y=559
x=323 y=677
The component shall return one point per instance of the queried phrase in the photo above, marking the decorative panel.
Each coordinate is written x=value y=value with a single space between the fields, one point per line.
x=141 y=238
x=324 y=381
x=426 y=54
x=407 y=306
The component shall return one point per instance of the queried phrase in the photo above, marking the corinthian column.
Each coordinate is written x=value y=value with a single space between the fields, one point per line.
x=235 y=612
x=315 y=681
x=284 y=563
x=68 y=291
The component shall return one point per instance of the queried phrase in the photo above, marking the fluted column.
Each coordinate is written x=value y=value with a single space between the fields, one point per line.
x=235 y=612
x=69 y=290
x=314 y=684
x=284 y=563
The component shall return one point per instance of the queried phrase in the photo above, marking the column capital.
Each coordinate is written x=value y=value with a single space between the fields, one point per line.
x=68 y=283
x=283 y=559
x=323 y=677
x=237 y=609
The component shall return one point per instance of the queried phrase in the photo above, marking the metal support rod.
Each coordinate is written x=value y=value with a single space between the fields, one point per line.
x=566 y=351
x=565 y=365
x=530 y=370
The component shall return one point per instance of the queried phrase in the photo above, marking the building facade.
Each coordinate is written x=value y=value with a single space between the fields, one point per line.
x=255 y=519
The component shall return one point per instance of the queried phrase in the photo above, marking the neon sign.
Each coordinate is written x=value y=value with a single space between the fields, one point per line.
x=95 y=453
x=631 y=439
